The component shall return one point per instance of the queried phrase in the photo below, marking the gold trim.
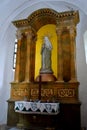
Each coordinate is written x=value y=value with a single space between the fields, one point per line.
x=49 y=16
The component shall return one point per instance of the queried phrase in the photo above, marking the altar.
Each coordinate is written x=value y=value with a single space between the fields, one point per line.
x=45 y=73
x=25 y=107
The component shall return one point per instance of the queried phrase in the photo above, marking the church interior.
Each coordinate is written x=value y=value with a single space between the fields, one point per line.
x=43 y=65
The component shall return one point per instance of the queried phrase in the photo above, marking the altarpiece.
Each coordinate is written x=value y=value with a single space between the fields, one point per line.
x=46 y=86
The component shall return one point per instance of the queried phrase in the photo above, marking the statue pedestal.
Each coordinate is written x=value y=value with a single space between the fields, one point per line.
x=46 y=77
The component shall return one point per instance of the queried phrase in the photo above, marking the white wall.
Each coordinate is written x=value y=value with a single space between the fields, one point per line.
x=82 y=68
x=20 y=10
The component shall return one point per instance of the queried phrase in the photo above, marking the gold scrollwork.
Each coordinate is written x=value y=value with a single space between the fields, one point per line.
x=20 y=92
x=47 y=92
x=34 y=92
x=66 y=93
x=44 y=92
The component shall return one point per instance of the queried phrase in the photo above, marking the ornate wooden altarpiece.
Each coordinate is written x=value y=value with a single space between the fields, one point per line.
x=64 y=88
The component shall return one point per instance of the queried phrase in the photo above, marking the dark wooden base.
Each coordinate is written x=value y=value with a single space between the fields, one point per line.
x=67 y=119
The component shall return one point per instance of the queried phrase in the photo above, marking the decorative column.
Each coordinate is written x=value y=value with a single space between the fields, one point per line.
x=73 y=52
x=59 y=55
x=29 y=66
x=17 y=69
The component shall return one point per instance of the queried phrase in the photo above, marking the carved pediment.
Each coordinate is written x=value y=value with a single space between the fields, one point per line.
x=45 y=16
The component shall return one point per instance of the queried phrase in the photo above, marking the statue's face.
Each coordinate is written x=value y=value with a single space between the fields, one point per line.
x=45 y=39
x=47 y=43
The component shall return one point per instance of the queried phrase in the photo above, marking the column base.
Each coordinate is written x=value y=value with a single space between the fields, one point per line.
x=73 y=80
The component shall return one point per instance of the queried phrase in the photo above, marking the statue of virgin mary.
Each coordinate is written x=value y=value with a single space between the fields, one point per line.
x=46 y=56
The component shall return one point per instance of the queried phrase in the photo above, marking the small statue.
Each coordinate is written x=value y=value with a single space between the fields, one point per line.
x=46 y=56
x=46 y=72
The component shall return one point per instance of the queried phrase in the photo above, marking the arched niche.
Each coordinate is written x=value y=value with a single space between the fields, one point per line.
x=50 y=30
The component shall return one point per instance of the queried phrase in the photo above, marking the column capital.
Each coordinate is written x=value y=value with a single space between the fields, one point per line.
x=30 y=33
x=59 y=30
x=19 y=35
x=72 y=31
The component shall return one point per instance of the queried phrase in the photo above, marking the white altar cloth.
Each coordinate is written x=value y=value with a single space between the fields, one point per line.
x=26 y=107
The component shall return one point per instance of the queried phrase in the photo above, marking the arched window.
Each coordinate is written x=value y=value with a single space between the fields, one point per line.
x=14 y=55
x=85 y=43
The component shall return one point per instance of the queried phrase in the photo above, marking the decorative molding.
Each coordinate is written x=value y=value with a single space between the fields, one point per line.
x=66 y=92
x=49 y=16
x=44 y=92
x=19 y=93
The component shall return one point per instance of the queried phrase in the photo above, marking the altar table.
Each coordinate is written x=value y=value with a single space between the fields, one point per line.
x=26 y=107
